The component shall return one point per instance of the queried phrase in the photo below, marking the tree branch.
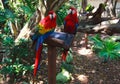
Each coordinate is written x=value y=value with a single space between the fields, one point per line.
x=53 y=4
x=109 y=29
x=57 y=6
x=44 y=3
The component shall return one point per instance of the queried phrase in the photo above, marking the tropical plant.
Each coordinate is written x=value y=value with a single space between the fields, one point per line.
x=13 y=15
x=17 y=59
x=106 y=48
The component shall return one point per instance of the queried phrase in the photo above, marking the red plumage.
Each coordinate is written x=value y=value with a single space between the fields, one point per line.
x=70 y=26
x=64 y=55
x=46 y=27
x=37 y=59
x=47 y=22
x=71 y=21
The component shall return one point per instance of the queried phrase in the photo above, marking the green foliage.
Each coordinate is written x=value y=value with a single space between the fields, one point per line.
x=69 y=58
x=61 y=13
x=75 y=3
x=27 y=11
x=67 y=66
x=63 y=77
x=15 y=68
x=89 y=8
x=17 y=11
x=106 y=48
x=18 y=57
x=8 y=41
x=6 y=15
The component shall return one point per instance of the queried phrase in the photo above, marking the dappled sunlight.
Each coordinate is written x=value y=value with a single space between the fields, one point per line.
x=84 y=51
x=83 y=79
x=80 y=79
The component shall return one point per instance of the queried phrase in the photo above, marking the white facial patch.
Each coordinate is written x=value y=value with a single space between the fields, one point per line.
x=69 y=11
x=51 y=16
x=73 y=12
x=54 y=15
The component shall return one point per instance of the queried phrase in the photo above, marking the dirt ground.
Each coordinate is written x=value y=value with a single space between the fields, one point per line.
x=89 y=69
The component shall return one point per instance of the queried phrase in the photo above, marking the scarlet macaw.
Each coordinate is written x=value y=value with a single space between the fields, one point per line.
x=70 y=26
x=45 y=27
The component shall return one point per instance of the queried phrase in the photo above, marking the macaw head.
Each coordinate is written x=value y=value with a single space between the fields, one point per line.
x=72 y=11
x=48 y=23
x=52 y=15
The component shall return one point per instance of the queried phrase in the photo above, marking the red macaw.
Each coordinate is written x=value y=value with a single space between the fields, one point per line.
x=45 y=27
x=70 y=26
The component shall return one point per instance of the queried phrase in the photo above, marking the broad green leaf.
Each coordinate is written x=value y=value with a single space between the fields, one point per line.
x=63 y=76
x=69 y=57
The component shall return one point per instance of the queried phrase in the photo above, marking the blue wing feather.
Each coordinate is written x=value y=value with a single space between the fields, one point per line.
x=41 y=38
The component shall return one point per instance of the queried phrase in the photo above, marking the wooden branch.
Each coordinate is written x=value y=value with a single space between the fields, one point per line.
x=35 y=19
x=58 y=5
x=61 y=2
x=52 y=54
x=49 y=2
x=2 y=4
x=109 y=29
x=13 y=29
x=53 y=4
x=43 y=3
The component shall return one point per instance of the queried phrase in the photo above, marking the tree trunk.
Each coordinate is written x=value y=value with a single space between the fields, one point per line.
x=46 y=5
x=84 y=5
x=111 y=6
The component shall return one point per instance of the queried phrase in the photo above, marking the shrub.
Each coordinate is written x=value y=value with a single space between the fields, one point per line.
x=106 y=48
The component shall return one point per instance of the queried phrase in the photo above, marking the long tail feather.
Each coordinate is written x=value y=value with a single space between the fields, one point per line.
x=37 y=59
x=64 y=55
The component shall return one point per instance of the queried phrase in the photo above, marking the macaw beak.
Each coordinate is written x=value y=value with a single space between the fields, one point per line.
x=71 y=12
x=51 y=16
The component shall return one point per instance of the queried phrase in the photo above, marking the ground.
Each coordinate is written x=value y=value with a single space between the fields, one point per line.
x=88 y=68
